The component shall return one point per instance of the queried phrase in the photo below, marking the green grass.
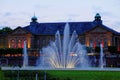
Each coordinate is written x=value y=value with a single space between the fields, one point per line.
x=1 y=75
x=61 y=75
x=86 y=75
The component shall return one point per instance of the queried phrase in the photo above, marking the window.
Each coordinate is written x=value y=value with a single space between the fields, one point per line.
x=12 y=44
x=19 y=43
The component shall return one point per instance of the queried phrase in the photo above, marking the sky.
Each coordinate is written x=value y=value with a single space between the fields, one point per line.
x=14 y=13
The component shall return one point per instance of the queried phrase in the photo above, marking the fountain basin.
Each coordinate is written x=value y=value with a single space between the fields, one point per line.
x=38 y=68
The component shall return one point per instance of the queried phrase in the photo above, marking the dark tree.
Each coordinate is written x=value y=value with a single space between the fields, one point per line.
x=112 y=49
x=5 y=30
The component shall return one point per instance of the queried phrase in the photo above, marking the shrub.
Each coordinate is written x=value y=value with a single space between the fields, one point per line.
x=11 y=51
x=112 y=49
x=97 y=49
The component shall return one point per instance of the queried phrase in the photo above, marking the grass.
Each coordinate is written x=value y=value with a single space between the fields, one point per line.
x=1 y=75
x=61 y=75
x=86 y=75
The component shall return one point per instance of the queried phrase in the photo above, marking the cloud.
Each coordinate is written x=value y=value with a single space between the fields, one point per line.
x=7 y=14
x=1 y=27
x=98 y=9
x=118 y=23
x=38 y=6
x=115 y=25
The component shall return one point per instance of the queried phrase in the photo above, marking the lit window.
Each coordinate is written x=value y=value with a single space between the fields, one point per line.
x=19 y=44
x=12 y=44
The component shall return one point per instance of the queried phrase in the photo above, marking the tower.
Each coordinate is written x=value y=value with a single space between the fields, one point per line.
x=97 y=18
x=34 y=18
x=33 y=21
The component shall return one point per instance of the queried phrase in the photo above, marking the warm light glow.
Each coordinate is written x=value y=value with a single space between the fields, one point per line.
x=7 y=55
x=28 y=44
x=1 y=46
x=9 y=45
x=19 y=44
x=29 y=41
x=87 y=42
x=109 y=43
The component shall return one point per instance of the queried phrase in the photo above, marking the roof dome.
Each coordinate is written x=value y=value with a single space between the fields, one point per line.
x=97 y=15
x=34 y=18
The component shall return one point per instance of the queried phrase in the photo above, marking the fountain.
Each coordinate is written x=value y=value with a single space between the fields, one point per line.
x=101 y=56
x=101 y=60
x=65 y=54
x=69 y=54
x=25 y=55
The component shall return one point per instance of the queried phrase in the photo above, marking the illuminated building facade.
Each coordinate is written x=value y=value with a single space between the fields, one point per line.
x=39 y=35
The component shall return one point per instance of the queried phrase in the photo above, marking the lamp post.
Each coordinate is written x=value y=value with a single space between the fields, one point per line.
x=44 y=67
x=36 y=76
x=45 y=75
x=18 y=76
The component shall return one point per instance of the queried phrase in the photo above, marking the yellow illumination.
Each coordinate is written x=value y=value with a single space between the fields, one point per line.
x=28 y=43
x=28 y=38
x=1 y=46
x=87 y=42
x=9 y=44
x=109 y=43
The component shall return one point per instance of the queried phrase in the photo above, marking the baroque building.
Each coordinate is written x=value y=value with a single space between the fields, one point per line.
x=38 y=35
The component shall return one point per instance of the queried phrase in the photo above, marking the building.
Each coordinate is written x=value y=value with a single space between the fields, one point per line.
x=38 y=35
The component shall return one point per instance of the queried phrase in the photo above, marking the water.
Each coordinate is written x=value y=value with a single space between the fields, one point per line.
x=64 y=53
x=25 y=55
x=101 y=60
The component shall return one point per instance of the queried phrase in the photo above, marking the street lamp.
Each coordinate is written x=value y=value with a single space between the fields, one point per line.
x=18 y=76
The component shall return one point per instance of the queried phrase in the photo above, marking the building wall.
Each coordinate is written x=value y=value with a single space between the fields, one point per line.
x=91 y=38
x=40 y=41
x=16 y=41
x=3 y=41
x=116 y=41
x=17 y=37
x=98 y=36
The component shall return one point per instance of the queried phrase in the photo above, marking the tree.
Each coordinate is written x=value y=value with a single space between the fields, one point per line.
x=112 y=49
x=5 y=29
x=97 y=49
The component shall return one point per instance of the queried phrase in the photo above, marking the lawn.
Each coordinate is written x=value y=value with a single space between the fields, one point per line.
x=1 y=75
x=61 y=75
x=86 y=75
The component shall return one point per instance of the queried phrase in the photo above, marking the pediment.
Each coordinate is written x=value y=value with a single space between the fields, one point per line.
x=98 y=30
x=19 y=31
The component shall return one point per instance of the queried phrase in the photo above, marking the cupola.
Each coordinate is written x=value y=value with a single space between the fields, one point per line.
x=34 y=19
x=97 y=17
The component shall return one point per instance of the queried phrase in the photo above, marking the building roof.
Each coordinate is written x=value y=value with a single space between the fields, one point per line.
x=51 y=28
x=111 y=30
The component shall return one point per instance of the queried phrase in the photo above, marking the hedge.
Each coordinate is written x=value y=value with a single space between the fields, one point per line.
x=11 y=51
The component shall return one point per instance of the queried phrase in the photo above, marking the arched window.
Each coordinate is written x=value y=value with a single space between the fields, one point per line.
x=22 y=43
x=12 y=44
x=19 y=44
